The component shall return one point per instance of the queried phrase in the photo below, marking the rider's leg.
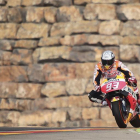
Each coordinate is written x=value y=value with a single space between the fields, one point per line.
x=136 y=91
x=95 y=96
x=137 y=94
x=132 y=102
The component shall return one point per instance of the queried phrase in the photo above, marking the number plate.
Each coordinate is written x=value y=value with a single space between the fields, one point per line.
x=113 y=85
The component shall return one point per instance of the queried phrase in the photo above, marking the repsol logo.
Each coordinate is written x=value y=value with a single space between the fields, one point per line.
x=111 y=80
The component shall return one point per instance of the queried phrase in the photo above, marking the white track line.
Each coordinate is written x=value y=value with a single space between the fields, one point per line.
x=134 y=131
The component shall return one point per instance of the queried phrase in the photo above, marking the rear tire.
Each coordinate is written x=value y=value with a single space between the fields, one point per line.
x=118 y=114
x=136 y=121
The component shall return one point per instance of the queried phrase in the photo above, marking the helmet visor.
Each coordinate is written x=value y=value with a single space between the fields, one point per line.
x=107 y=62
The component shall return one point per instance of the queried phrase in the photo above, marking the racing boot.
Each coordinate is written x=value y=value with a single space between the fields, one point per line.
x=138 y=99
x=130 y=115
x=133 y=104
x=104 y=103
x=138 y=105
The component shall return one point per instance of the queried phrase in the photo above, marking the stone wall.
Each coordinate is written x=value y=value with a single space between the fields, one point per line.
x=48 y=50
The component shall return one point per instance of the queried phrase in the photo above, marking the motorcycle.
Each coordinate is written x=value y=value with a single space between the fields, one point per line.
x=115 y=91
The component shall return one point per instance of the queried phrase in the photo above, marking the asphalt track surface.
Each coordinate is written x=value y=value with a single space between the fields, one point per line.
x=27 y=133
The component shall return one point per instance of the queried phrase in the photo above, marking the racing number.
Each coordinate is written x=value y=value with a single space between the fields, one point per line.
x=113 y=85
x=108 y=87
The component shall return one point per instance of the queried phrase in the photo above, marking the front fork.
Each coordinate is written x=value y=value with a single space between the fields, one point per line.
x=117 y=98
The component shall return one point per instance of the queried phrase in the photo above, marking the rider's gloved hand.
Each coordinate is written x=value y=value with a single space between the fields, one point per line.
x=132 y=80
x=97 y=88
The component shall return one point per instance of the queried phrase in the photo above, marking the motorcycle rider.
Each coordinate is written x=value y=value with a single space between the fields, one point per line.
x=108 y=68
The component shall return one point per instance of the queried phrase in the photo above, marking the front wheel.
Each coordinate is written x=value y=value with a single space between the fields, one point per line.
x=119 y=115
x=136 y=121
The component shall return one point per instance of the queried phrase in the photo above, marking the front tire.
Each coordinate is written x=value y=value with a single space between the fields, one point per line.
x=136 y=121
x=119 y=115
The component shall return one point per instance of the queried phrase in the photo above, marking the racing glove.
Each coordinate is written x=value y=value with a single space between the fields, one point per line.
x=132 y=80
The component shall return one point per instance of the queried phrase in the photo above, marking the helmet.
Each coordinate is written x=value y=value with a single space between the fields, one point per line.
x=108 y=59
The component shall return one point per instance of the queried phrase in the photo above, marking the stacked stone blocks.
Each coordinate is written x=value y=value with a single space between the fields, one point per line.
x=48 y=51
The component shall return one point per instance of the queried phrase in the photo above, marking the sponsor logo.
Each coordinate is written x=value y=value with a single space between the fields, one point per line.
x=111 y=80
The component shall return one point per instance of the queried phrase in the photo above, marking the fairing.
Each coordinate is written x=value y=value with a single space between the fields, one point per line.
x=114 y=84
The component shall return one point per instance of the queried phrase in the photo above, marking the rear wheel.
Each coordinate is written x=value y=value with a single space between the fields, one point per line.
x=136 y=121
x=119 y=115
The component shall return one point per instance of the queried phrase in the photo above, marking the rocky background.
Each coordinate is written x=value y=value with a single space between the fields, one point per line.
x=48 y=51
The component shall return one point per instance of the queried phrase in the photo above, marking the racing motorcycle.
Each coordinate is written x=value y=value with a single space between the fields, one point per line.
x=115 y=90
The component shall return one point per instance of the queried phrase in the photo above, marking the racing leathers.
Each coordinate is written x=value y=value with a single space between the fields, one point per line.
x=116 y=68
